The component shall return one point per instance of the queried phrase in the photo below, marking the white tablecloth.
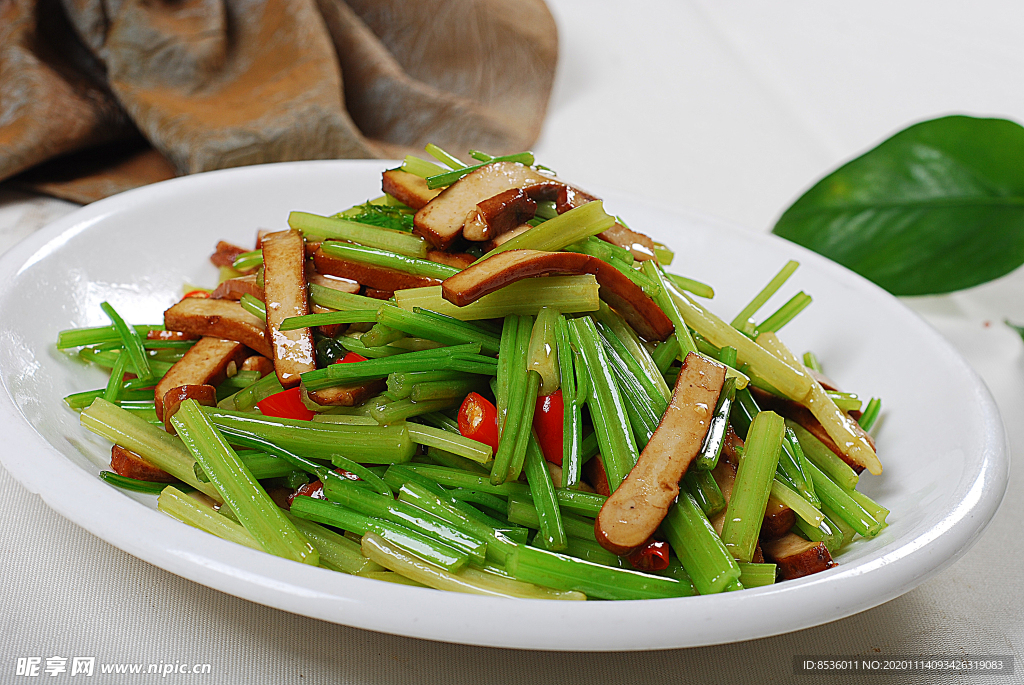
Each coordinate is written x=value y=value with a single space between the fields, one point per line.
x=730 y=109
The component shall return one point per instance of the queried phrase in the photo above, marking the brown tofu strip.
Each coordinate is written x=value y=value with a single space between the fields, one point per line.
x=343 y=285
x=778 y=519
x=206 y=363
x=441 y=220
x=504 y=268
x=258 y=362
x=642 y=246
x=368 y=275
x=725 y=476
x=234 y=288
x=205 y=395
x=284 y=284
x=460 y=260
x=226 y=254
x=594 y=473
x=505 y=237
x=223 y=319
x=379 y=294
x=346 y=395
x=499 y=214
x=126 y=463
x=409 y=189
x=797 y=557
x=635 y=510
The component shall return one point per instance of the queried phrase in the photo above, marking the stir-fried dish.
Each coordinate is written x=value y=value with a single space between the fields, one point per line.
x=483 y=382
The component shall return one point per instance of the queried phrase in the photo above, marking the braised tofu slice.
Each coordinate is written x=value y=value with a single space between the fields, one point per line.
x=635 y=510
x=205 y=395
x=235 y=288
x=641 y=245
x=226 y=254
x=369 y=275
x=284 y=287
x=258 y=362
x=126 y=463
x=504 y=268
x=499 y=214
x=797 y=557
x=205 y=363
x=346 y=395
x=409 y=189
x=224 y=319
x=441 y=220
x=778 y=519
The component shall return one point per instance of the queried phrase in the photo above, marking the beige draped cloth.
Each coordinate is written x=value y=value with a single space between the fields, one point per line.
x=99 y=96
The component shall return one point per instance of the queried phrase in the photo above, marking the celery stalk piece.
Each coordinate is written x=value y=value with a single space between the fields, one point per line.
x=824 y=458
x=541 y=355
x=81 y=337
x=811 y=362
x=742 y=319
x=319 y=228
x=524 y=513
x=664 y=300
x=839 y=524
x=380 y=334
x=322 y=472
x=714 y=440
x=508 y=460
x=554 y=234
x=177 y=504
x=456 y=444
x=847 y=401
x=703 y=554
x=870 y=415
x=691 y=286
x=397 y=411
x=446 y=178
x=455 y=513
x=572 y=420
x=254 y=306
x=341 y=301
x=552 y=531
x=132 y=342
x=506 y=351
x=665 y=355
x=663 y=253
x=115 y=384
x=568 y=573
x=398 y=477
x=423 y=323
x=153 y=444
x=329 y=318
x=785 y=313
x=423 y=546
x=260 y=464
x=827 y=532
x=247 y=398
x=449 y=390
x=337 y=552
x=837 y=423
x=250 y=503
x=618 y=448
x=401 y=384
x=625 y=339
x=421 y=167
x=800 y=506
x=791 y=382
x=793 y=463
x=588 y=550
x=404 y=514
x=468 y=580
x=248 y=260
x=567 y=294
x=705 y=491
x=835 y=498
x=364 y=444
x=757 y=575
x=446 y=158
x=753 y=484
x=388 y=260
x=876 y=510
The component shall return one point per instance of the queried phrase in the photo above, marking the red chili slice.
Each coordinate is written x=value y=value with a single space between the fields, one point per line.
x=286 y=405
x=478 y=420
x=350 y=357
x=547 y=422
x=651 y=556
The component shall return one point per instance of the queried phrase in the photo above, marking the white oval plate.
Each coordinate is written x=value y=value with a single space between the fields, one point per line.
x=940 y=439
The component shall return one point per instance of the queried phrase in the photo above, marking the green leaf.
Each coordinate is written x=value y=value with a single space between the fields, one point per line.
x=936 y=208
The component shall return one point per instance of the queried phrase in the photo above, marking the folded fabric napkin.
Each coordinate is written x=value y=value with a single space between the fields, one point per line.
x=99 y=96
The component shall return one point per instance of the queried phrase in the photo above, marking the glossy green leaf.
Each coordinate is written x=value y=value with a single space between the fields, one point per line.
x=936 y=208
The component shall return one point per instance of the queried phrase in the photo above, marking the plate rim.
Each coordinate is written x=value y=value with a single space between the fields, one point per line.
x=961 y=527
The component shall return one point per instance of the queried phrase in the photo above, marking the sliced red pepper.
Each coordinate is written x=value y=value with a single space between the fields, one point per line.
x=547 y=422
x=350 y=357
x=286 y=405
x=197 y=293
x=314 y=489
x=478 y=420
x=650 y=556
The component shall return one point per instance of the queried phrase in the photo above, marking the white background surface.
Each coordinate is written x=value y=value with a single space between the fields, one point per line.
x=727 y=109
